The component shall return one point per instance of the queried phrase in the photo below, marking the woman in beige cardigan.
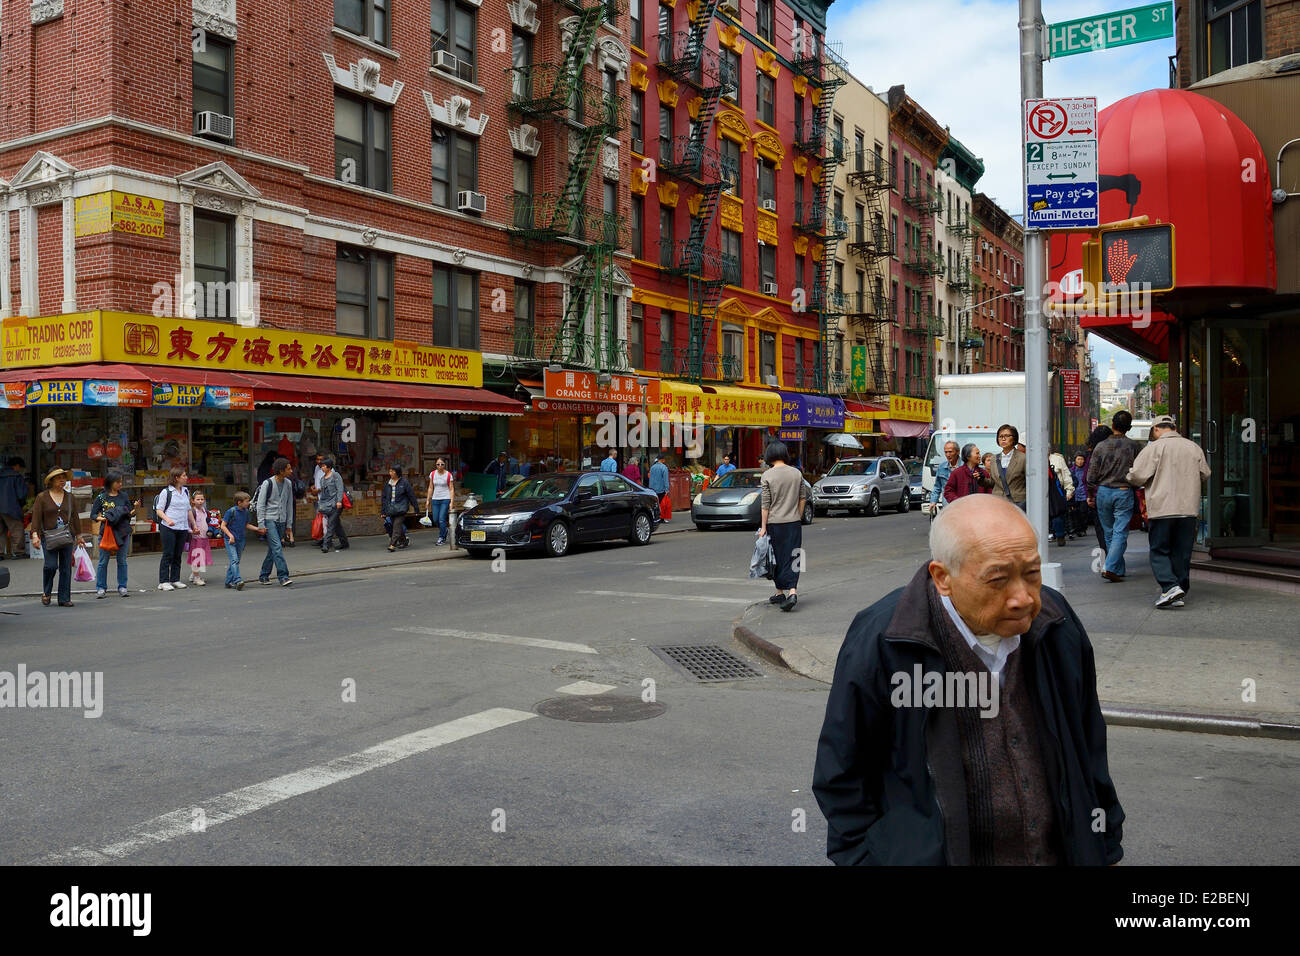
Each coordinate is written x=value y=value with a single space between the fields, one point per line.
x=1009 y=467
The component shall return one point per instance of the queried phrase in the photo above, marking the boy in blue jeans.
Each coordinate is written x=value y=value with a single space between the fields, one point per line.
x=234 y=524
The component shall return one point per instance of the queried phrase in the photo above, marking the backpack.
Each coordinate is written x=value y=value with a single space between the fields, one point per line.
x=163 y=508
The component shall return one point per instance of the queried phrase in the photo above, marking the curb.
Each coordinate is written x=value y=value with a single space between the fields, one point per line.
x=445 y=556
x=1115 y=715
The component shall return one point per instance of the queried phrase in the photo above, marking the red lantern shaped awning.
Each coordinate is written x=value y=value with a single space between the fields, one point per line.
x=1176 y=156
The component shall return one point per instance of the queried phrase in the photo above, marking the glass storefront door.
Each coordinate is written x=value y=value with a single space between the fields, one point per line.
x=1229 y=389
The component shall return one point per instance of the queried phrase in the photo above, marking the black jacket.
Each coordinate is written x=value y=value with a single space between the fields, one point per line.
x=398 y=500
x=891 y=782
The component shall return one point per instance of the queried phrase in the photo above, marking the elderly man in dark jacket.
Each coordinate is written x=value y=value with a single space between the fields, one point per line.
x=911 y=777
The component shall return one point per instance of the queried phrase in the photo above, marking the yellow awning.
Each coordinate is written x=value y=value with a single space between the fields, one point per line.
x=720 y=405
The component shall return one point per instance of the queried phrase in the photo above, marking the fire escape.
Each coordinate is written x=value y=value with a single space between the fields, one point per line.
x=687 y=59
x=922 y=260
x=963 y=281
x=823 y=65
x=581 y=116
x=870 y=242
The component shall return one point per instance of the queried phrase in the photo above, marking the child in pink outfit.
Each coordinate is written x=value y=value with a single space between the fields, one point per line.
x=199 y=552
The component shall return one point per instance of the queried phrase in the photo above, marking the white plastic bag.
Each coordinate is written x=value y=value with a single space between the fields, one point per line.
x=35 y=550
x=85 y=571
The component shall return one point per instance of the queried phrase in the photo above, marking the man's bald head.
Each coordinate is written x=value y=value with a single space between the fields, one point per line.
x=984 y=556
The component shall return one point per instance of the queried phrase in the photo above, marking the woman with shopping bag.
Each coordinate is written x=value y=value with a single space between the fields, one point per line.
x=398 y=499
x=437 y=502
x=56 y=528
x=112 y=511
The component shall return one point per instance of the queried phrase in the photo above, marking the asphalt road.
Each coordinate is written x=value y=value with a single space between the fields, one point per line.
x=226 y=736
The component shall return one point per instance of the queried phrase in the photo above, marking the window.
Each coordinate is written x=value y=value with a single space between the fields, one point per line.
x=1236 y=33
x=767 y=354
x=213 y=69
x=839 y=353
x=665 y=135
x=731 y=267
x=764 y=19
x=667 y=238
x=766 y=180
x=363 y=292
x=893 y=165
x=859 y=223
x=366 y=18
x=455 y=308
x=455 y=165
x=731 y=165
x=454 y=28
x=766 y=99
x=767 y=264
x=636 y=110
x=798 y=272
x=665 y=32
x=859 y=151
x=214 y=266
x=839 y=277
x=798 y=119
x=523 y=175
x=362 y=133
x=666 y=322
x=521 y=61
x=638 y=224
x=611 y=11
x=636 y=335
x=523 y=318
x=798 y=199
x=610 y=209
x=798 y=362
x=638 y=28
x=731 y=71
x=893 y=234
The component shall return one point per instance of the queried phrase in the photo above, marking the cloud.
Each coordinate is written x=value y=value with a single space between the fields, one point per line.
x=959 y=59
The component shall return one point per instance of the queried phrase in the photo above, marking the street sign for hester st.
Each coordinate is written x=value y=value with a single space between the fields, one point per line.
x=1106 y=30
x=1061 y=163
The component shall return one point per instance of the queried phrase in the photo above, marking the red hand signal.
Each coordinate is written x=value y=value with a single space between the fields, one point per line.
x=1119 y=261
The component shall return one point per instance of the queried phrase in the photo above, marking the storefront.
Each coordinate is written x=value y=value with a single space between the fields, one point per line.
x=730 y=421
x=806 y=420
x=906 y=425
x=216 y=399
x=1230 y=327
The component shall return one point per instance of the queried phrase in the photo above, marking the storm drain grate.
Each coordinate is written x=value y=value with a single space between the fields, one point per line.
x=706 y=662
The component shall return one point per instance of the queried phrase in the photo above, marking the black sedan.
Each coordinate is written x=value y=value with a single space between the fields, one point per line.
x=556 y=511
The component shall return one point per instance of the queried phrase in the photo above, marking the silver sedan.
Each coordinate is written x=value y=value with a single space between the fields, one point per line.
x=736 y=498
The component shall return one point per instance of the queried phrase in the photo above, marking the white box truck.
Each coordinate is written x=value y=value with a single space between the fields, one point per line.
x=970 y=408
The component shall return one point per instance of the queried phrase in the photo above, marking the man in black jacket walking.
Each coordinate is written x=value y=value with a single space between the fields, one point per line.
x=911 y=770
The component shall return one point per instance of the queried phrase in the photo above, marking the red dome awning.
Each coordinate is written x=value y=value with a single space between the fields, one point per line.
x=1176 y=156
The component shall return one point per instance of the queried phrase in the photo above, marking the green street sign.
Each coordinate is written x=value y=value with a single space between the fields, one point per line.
x=1089 y=34
x=859 y=368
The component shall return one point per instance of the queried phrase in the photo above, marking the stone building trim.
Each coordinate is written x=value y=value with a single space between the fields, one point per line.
x=219 y=188
x=216 y=16
x=455 y=113
x=43 y=180
x=43 y=11
x=362 y=78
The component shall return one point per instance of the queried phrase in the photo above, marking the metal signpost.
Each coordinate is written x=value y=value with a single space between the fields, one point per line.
x=1061 y=163
x=1106 y=30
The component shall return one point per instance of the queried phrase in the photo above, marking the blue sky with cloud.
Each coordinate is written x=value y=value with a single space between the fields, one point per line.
x=960 y=60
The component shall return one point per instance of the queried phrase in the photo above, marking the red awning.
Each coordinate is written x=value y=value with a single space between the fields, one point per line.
x=295 y=390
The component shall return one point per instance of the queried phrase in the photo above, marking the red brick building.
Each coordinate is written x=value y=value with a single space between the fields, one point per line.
x=997 y=321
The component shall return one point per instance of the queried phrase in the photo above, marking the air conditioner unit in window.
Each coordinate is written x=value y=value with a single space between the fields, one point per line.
x=638 y=146
x=769 y=380
x=467 y=201
x=465 y=71
x=447 y=62
x=769 y=205
x=769 y=288
x=729 y=7
x=208 y=123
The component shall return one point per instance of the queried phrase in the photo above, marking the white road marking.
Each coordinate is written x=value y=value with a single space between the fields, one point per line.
x=690 y=580
x=584 y=688
x=500 y=639
x=259 y=796
x=706 y=598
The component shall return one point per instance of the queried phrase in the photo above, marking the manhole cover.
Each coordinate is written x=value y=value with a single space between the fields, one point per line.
x=599 y=709
x=706 y=662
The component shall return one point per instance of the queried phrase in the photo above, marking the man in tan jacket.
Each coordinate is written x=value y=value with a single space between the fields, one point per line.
x=1171 y=468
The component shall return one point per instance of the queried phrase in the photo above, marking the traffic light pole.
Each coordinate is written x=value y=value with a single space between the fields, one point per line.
x=1036 y=439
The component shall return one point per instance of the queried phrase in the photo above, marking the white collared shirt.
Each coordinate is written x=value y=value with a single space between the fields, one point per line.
x=995 y=659
x=1006 y=459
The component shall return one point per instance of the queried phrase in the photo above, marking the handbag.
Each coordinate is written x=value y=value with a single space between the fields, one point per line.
x=1139 y=520
x=346 y=503
x=60 y=537
x=317 y=527
x=109 y=540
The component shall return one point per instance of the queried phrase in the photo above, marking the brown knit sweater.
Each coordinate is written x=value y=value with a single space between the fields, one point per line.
x=1012 y=820
x=45 y=513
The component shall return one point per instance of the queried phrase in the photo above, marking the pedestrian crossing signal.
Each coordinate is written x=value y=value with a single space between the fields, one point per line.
x=1138 y=257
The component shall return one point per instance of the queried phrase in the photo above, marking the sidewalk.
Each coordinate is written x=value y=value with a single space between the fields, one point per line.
x=306 y=559
x=1166 y=668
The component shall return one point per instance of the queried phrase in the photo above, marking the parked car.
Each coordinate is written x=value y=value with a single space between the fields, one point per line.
x=863 y=485
x=736 y=498
x=914 y=479
x=4 y=577
x=555 y=511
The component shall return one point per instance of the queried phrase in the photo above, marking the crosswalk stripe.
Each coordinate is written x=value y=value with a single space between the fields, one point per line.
x=584 y=688
x=705 y=598
x=690 y=580
x=239 y=803
x=499 y=639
